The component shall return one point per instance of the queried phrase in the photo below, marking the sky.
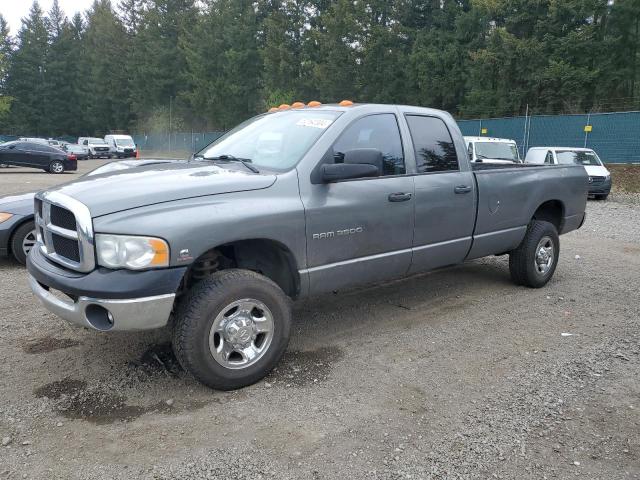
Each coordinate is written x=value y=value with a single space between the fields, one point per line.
x=14 y=10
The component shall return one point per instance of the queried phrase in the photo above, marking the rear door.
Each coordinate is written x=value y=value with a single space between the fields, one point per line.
x=445 y=197
x=359 y=231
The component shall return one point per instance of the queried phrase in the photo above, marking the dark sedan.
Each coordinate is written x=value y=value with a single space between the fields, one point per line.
x=17 y=230
x=37 y=155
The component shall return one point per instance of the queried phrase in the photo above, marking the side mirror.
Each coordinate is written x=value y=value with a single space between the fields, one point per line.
x=332 y=172
x=368 y=156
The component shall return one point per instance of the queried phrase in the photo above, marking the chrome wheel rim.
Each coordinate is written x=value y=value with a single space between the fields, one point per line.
x=544 y=255
x=57 y=167
x=28 y=242
x=241 y=333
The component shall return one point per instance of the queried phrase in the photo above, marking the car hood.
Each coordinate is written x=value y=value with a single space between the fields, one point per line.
x=596 y=170
x=17 y=204
x=147 y=185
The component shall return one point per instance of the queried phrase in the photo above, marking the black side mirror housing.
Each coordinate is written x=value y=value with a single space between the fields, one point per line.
x=332 y=172
x=368 y=156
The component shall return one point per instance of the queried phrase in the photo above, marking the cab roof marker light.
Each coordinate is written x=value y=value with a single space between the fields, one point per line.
x=272 y=109
x=297 y=105
x=284 y=106
x=346 y=103
x=314 y=103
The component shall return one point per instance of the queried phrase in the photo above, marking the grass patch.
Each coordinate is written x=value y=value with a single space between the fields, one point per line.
x=625 y=178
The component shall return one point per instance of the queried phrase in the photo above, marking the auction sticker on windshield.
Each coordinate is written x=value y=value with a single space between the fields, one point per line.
x=314 y=122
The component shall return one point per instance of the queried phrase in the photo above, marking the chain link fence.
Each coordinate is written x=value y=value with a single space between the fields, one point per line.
x=614 y=136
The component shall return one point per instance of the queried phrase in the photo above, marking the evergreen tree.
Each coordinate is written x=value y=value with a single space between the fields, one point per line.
x=26 y=82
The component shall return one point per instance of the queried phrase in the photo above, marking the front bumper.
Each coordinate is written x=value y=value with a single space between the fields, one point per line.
x=600 y=188
x=105 y=299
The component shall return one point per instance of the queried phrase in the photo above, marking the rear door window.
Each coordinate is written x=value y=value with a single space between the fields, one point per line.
x=433 y=146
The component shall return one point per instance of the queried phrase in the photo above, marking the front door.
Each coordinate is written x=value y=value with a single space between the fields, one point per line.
x=445 y=196
x=360 y=231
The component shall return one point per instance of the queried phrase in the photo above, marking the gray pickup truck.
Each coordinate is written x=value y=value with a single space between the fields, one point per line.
x=288 y=204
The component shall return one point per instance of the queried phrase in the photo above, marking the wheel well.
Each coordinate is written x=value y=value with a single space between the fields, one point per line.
x=267 y=257
x=552 y=212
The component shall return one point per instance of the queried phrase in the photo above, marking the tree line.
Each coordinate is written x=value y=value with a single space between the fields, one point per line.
x=151 y=65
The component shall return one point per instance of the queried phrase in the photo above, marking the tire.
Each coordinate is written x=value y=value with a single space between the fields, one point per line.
x=56 y=167
x=528 y=265
x=24 y=233
x=601 y=197
x=207 y=325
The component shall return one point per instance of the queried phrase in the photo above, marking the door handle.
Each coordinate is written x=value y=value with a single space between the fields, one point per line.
x=399 y=197
x=462 y=189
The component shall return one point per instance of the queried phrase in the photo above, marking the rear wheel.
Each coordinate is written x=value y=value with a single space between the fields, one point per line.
x=232 y=328
x=23 y=240
x=534 y=261
x=56 y=167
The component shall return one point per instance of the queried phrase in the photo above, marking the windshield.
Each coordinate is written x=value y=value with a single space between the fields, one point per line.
x=497 y=151
x=276 y=140
x=568 y=157
x=97 y=141
x=124 y=142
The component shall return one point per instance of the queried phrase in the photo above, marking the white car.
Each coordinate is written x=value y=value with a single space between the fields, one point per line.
x=599 y=176
x=121 y=146
x=492 y=150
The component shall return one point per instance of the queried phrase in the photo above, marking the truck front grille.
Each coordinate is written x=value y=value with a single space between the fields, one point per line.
x=66 y=247
x=61 y=217
x=595 y=180
x=65 y=231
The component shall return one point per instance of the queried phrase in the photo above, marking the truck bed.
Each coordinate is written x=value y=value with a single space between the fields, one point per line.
x=509 y=195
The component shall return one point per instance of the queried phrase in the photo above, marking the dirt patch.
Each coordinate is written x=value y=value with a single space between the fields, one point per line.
x=625 y=177
x=305 y=368
x=99 y=405
x=158 y=359
x=48 y=344
x=55 y=390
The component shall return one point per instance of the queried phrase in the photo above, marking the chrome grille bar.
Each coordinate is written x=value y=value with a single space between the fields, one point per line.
x=83 y=234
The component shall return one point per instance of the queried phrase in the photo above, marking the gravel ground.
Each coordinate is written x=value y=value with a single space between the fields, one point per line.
x=453 y=374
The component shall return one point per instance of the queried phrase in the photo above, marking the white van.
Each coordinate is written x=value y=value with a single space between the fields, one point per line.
x=97 y=147
x=599 y=176
x=121 y=146
x=492 y=150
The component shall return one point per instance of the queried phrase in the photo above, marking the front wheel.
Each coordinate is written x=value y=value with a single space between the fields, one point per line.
x=534 y=261
x=601 y=197
x=22 y=241
x=56 y=167
x=232 y=328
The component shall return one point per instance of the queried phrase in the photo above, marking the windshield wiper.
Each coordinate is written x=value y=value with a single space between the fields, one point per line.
x=230 y=158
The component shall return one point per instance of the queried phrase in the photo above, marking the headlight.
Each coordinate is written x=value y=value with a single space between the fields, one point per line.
x=5 y=216
x=607 y=176
x=135 y=253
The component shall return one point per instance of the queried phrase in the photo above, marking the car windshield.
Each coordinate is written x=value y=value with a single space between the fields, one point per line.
x=75 y=148
x=124 y=142
x=497 y=151
x=97 y=141
x=569 y=157
x=275 y=141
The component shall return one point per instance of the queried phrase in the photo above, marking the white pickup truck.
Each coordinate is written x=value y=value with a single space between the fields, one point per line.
x=492 y=150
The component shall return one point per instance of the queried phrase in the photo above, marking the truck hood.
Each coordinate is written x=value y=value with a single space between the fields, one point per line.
x=121 y=190
x=596 y=170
